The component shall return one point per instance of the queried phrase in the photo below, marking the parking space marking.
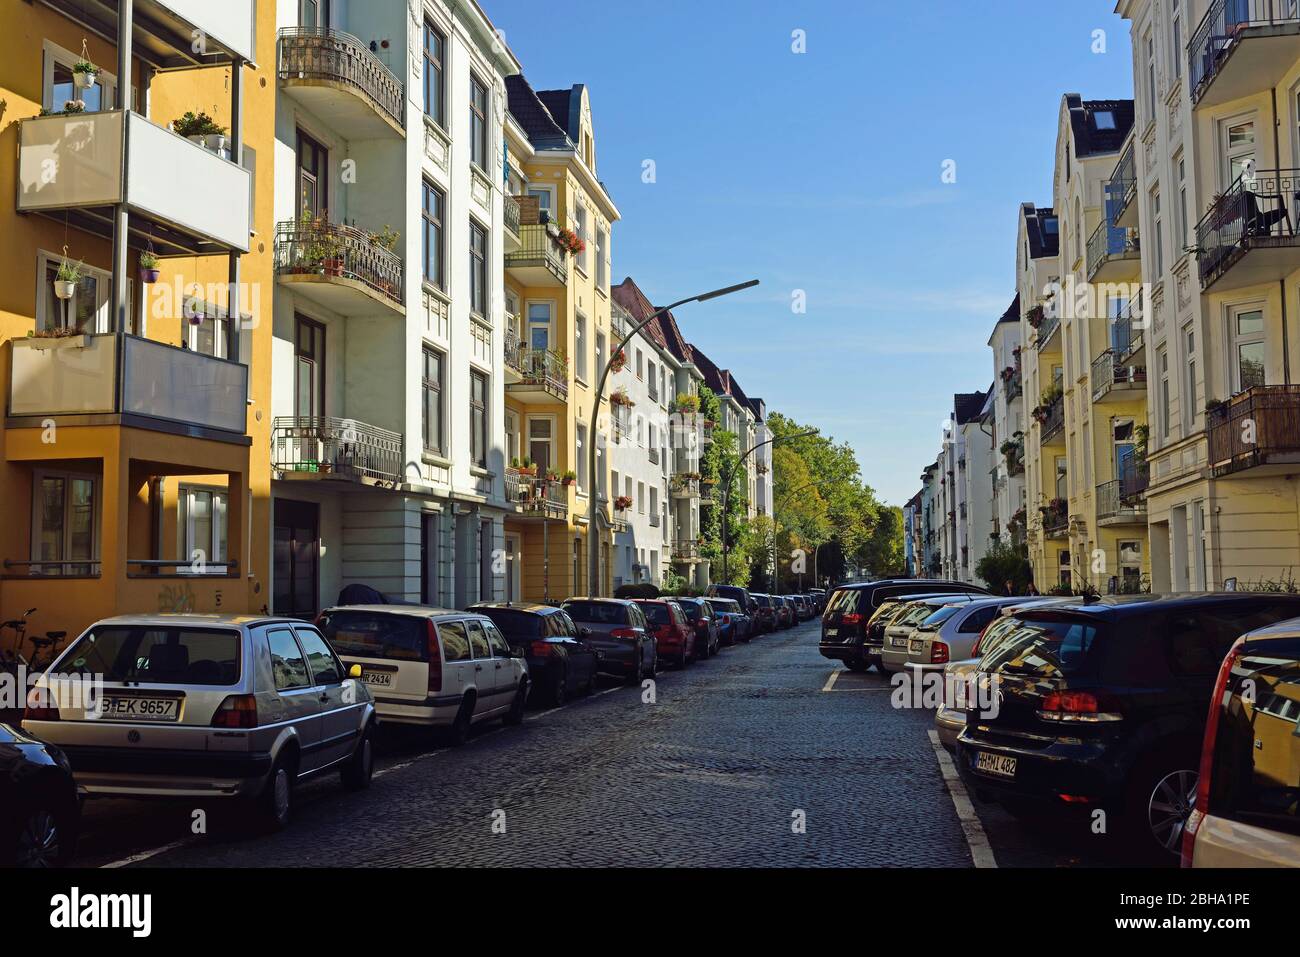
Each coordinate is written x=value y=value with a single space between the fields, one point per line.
x=830 y=682
x=981 y=851
x=144 y=855
x=595 y=694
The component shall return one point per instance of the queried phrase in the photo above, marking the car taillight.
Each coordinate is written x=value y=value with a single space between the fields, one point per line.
x=40 y=706
x=1201 y=806
x=1078 y=706
x=623 y=633
x=852 y=618
x=434 y=656
x=237 y=711
x=540 y=649
x=938 y=652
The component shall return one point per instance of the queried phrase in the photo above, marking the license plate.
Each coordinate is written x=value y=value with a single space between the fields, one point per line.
x=998 y=765
x=380 y=679
x=115 y=708
x=918 y=645
x=832 y=632
x=899 y=642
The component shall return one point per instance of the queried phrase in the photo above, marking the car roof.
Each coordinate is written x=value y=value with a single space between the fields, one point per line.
x=1124 y=606
x=411 y=611
x=172 y=619
x=536 y=608
x=610 y=601
x=1280 y=629
x=904 y=581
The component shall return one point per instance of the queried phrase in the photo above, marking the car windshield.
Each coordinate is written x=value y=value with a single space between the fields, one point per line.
x=514 y=623
x=153 y=654
x=596 y=612
x=692 y=610
x=657 y=614
x=369 y=634
x=1051 y=647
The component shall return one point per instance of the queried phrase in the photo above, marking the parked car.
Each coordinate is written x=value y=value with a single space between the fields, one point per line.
x=431 y=667
x=673 y=631
x=737 y=594
x=207 y=707
x=703 y=618
x=1102 y=704
x=1247 y=807
x=800 y=608
x=733 y=624
x=39 y=806
x=951 y=631
x=784 y=612
x=900 y=631
x=561 y=662
x=851 y=607
x=624 y=643
x=764 y=614
x=819 y=597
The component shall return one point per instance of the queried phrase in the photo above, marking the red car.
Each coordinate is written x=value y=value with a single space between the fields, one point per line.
x=672 y=629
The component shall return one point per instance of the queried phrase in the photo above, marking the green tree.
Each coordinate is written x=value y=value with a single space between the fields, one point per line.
x=1005 y=562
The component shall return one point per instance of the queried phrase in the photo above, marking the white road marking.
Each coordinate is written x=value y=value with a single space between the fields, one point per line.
x=144 y=855
x=981 y=851
x=830 y=682
x=595 y=694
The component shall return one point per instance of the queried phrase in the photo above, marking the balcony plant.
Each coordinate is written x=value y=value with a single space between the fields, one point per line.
x=623 y=503
x=569 y=241
x=569 y=478
x=148 y=267
x=66 y=279
x=1008 y=373
x=1035 y=316
x=84 y=74
x=527 y=466
x=202 y=129
x=687 y=403
x=619 y=397
x=387 y=239
x=618 y=362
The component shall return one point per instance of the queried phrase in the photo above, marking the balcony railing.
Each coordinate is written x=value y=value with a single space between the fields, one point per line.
x=1260 y=426
x=684 y=486
x=536 y=496
x=1121 y=189
x=1256 y=213
x=1015 y=385
x=1109 y=374
x=1226 y=24
x=510 y=213
x=1113 y=503
x=1049 y=323
x=1134 y=478
x=1128 y=331
x=338 y=253
x=544 y=369
x=331 y=448
x=332 y=56
x=1055 y=522
x=1054 y=421
x=539 y=256
x=1109 y=244
x=685 y=551
x=129 y=376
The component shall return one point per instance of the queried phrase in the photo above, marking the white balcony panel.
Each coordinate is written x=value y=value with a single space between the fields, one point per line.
x=229 y=22
x=70 y=161
x=164 y=382
x=52 y=378
x=184 y=183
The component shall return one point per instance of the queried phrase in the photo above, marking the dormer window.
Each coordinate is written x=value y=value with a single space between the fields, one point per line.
x=1105 y=120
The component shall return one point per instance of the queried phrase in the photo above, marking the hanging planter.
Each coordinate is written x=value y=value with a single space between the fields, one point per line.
x=148 y=267
x=618 y=363
x=84 y=74
x=66 y=278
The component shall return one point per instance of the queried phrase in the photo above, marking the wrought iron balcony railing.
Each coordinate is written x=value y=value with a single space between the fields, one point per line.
x=332 y=448
x=1128 y=330
x=533 y=495
x=312 y=53
x=1257 y=211
x=537 y=249
x=1258 y=427
x=687 y=550
x=1112 y=502
x=1121 y=189
x=1109 y=243
x=1225 y=25
x=510 y=213
x=1110 y=374
x=545 y=368
x=1054 y=422
x=335 y=251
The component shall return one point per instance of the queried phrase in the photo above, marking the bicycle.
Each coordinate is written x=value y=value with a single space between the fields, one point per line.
x=11 y=658
x=44 y=649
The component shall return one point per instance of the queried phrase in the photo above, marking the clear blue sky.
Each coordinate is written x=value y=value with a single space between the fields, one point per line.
x=821 y=172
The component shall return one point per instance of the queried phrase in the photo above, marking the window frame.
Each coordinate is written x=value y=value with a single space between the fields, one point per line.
x=479 y=410
x=434 y=67
x=478 y=121
x=433 y=226
x=478 y=269
x=437 y=390
x=36 y=523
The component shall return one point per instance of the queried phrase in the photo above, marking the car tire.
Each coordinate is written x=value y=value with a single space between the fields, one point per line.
x=275 y=805
x=638 y=673
x=44 y=834
x=654 y=664
x=458 y=732
x=515 y=715
x=361 y=766
x=1161 y=793
x=590 y=687
x=560 y=689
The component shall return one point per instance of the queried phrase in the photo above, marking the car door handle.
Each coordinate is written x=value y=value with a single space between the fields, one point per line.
x=325 y=697
x=498 y=666
x=478 y=667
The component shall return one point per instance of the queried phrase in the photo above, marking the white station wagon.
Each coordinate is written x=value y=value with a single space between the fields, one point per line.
x=205 y=706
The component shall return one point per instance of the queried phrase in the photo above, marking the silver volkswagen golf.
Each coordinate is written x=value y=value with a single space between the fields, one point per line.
x=205 y=706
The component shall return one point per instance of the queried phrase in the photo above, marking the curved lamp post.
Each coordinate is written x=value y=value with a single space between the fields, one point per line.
x=593 y=553
x=726 y=491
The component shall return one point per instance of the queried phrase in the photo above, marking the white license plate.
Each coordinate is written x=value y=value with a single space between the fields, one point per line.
x=832 y=632
x=380 y=679
x=918 y=645
x=123 y=708
x=998 y=765
x=899 y=642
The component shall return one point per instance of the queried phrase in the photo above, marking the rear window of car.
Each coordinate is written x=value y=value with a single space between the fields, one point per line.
x=368 y=634
x=152 y=655
x=729 y=591
x=724 y=605
x=516 y=625
x=657 y=614
x=844 y=600
x=934 y=619
x=691 y=608
x=1255 y=777
x=1051 y=647
x=763 y=601
x=597 y=612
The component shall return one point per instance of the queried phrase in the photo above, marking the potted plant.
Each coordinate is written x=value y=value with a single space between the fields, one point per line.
x=202 y=129
x=527 y=467
x=1214 y=406
x=148 y=267
x=84 y=74
x=1035 y=316
x=387 y=239
x=622 y=503
x=618 y=362
x=620 y=397
x=569 y=478
x=687 y=403
x=74 y=106
x=66 y=279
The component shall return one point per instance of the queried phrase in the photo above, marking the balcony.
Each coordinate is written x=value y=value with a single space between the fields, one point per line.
x=1056 y=522
x=1047 y=323
x=543 y=375
x=1119 y=504
x=1113 y=254
x=1242 y=47
x=1113 y=381
x=118 y=379
x=1128 y=333
x=339 y=267
x=538 y=261
x=684 y=485
x=687 y=551
x=324 y=449
x=1014 y=384
x=165 y=30
x=620 y=418
x=1121 y=190
x=654 y=456
x=1258 y=429
x=186 y=200
x=1051 y=423
x=1248 y=236
x=510 y=220
x=535 y=497
x=335 y=75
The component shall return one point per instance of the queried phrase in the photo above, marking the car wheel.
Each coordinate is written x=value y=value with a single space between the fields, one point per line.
x=361 y=767
x=654 y=664
x=638 y=672
x=1159 y=802
x=516 y=713
x=458 y=733
x=560 y=690
x=46 y=836
x=277 y=796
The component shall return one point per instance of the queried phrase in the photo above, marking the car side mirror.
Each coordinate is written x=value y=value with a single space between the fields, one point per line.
x=354 y=671
x=584 y=632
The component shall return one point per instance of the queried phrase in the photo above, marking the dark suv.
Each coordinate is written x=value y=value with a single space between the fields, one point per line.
x=850 y=608
x=1102 y=704
x=735 y=593
x=560 y=661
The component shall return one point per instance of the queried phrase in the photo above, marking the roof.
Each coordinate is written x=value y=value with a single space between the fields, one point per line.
x=534 y=117
x=1090 y=139
x=1043 y=242
x=1013 y=312
x=967 y=406
x=415 y=611
x=662 y=331
x=191 y=618
x=719 y=380
x=535 y=608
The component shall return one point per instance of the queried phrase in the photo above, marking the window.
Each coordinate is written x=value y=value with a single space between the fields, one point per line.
x=455 y=642
x=201 y=528
x=314 y=14
x=602 y=278
x=309 y=368
x=545 y=197
x=640 y=364
x=600 y=350
x=325 y=668
x=541 y=435
x=1151 y=79
x=580 y=456
x=1162 y=368
x=64 y=518
x=433 y=414
x=208 y=335
x=640 y=498
x=1178 y=39
x=1183 y=225
x=88 y=310
x=1247 y=333
x=1130 y=563
x=477 y=269
x=1189 y=386
x=58 y=87
x=581 y=216
x=313 y=177
x=539 y=326
x=580 y=346
x=478 y=130
x=1159 y=233
x=654 y=386
x=435 y=47
x=433 y=207
x=1104 y=119
x=1239 y=143
x=478 y=640
x=478 y=418
x=288 y=664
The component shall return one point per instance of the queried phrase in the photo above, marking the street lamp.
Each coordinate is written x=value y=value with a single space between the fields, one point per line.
x=593 y=553
x=726 y=491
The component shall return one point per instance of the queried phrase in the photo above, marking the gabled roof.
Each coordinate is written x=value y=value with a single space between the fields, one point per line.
x=1043 y=242
x=968 y=405
x=1091 y=139
x=544 y=129
x=1013 y=311
x=663 y=331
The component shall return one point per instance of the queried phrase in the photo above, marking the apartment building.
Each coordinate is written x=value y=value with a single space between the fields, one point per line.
x=912 y=536
x=134 y=336
x=1007 y=424
x=557 y=302
x=962 y=501
x=1217 y=149
x=388 y=423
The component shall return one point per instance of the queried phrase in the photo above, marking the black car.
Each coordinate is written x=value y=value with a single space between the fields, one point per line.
x=617 y=630
x=1102 y=703
x=560 y=660
x=704 y=619
x=845 y=635
x=764 y=613
x=39 y=806
x=737 y=594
